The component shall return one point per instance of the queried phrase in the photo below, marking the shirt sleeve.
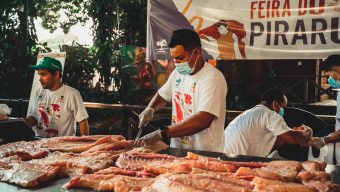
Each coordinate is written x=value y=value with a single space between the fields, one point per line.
x=166 y=90
x=276 y=124
x=212 y=96
x=78 y=107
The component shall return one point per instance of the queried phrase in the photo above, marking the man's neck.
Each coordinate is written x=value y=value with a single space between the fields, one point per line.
x=56 y=86
x=199 y=66
x=267 y=105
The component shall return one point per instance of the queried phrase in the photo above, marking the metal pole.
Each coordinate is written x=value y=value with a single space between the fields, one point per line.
x=306 y=87
x=318 y=80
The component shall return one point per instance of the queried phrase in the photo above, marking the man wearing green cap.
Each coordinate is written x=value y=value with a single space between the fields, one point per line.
x=56 y=107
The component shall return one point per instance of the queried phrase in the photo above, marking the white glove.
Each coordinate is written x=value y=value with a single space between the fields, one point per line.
x=145 y=117
x=318 y=142
x=150 y=138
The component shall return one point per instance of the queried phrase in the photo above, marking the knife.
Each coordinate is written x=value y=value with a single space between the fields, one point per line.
x=137 y=136
x=139 y=131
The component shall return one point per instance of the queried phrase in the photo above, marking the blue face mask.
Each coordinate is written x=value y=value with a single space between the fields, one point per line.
x=333 y=83
x=184 y=68
x=281 y=112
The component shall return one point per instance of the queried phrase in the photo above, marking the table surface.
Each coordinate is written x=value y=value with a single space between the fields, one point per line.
x=56 y=184
x=9 y=120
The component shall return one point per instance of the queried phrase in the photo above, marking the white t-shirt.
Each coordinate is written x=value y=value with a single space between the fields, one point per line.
x=254 y=132
x=204 y=91
x=337 y=127
x=338 y=105
x=57 y=111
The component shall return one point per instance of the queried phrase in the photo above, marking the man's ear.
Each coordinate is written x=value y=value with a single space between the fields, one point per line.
x=57 y=74
x=275 y=106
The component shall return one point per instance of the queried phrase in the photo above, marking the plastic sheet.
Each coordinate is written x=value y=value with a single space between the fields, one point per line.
x=5 y=111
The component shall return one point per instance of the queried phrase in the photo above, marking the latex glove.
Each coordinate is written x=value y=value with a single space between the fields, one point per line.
x=150 y=138
x=318 y=142
x=145 y=117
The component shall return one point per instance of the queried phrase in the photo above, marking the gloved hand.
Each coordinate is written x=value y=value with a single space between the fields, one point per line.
x=150 y=138
x=145 y=117
x=318 y=142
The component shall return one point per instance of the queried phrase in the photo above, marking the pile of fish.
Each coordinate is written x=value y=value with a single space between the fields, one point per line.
x=108 y=163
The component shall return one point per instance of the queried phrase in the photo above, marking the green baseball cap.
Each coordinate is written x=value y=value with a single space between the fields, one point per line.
x=48 y=63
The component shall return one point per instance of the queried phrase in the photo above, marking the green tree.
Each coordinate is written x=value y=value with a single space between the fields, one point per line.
x=116 y=22
x=17 y=42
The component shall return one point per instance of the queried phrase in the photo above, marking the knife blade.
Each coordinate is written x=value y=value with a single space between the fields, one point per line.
x=139 y=131
x=138 y=136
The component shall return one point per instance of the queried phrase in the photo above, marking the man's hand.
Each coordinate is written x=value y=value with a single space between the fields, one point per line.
x=145 y=117
x=307 y=131
x=299 y=135
x=84 y=127
x=317 y=142
x=150 y=138
x=29 y=121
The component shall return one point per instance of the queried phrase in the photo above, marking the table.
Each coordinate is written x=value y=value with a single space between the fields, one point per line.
x=12 y=130
x=9 y=120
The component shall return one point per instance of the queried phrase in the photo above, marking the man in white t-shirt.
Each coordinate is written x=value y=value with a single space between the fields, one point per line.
x=56 y=107
x=197 y=92
x=255 y=131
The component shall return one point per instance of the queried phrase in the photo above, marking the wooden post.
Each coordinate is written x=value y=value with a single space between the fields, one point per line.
x=317 y=81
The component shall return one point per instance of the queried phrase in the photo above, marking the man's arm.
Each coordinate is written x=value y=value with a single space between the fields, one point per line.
x=295 y=137
x=157 y=103
x=333 y=137
x=84 y=127
x=320 y=142
x=191 y=126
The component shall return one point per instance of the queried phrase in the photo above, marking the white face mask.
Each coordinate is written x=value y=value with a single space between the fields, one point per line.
x=184 y=67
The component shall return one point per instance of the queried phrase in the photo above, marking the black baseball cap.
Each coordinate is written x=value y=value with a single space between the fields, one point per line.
x=332 y=60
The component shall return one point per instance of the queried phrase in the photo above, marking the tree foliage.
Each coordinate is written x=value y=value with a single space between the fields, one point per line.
x=105 y=16
x=116 y=22
x=17 y=42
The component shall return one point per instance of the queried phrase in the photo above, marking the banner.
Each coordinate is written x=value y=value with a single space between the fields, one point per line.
x=248 y=29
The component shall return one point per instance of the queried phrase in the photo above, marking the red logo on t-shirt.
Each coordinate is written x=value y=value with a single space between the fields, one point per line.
x=55 y=107
x=187 y=99
x=179 y=112
x=43 y=115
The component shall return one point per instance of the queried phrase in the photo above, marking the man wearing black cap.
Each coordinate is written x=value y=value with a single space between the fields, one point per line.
x=197 y=91
x=56 y=107
x=332 y=68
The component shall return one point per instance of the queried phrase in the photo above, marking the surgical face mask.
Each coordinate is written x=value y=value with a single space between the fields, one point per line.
x=333 y=83
x=184 y=68
x=281 y=112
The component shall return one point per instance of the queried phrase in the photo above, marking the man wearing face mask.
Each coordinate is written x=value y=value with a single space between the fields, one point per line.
x=255 y=131
x=332 y=68
x=197 y=91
